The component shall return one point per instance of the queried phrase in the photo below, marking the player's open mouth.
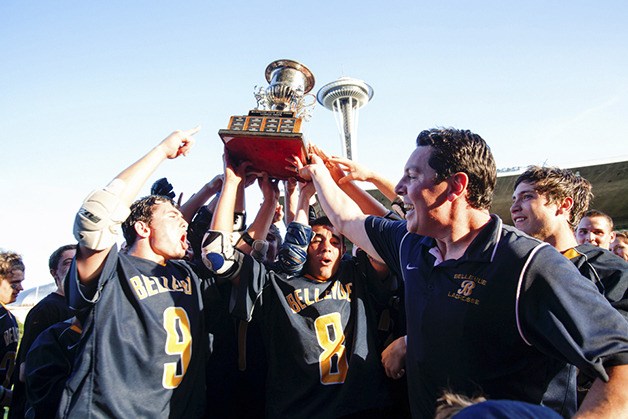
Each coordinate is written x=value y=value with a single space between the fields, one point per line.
x=408 y=207
x=518 y=219
x=326 y=261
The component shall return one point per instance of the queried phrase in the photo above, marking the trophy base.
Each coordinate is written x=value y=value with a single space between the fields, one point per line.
x=266 y=151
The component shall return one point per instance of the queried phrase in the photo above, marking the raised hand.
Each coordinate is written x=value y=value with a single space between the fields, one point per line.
x=178 y=143
x=355 y=170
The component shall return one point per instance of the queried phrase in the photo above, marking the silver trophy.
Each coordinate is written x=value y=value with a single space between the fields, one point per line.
x=271 y=132
x=289 y=85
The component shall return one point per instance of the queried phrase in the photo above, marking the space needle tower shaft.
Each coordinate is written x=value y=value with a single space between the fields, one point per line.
x=345 y=97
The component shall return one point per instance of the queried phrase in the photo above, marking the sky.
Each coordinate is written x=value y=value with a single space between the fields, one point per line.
x=86 y=88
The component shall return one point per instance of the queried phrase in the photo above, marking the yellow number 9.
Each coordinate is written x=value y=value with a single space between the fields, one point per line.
x=178 y=342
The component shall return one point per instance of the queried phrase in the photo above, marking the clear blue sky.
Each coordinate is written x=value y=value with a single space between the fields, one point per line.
x=88 y=87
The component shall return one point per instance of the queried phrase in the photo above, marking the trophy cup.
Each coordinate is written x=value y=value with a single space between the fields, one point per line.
x=270 y=133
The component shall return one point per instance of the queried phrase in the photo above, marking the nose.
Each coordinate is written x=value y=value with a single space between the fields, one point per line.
x=514 y=207
x=400 y=188
x=591 y=237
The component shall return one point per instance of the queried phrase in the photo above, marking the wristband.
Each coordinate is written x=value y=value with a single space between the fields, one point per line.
x=246 y=237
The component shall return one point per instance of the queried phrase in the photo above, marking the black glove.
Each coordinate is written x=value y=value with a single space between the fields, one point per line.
x=162 y=187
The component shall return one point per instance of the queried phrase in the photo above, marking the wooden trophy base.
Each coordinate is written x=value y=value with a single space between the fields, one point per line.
x=266 y=139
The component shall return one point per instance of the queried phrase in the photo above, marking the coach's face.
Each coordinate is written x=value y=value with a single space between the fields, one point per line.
x=324 y=253
x=423 y=198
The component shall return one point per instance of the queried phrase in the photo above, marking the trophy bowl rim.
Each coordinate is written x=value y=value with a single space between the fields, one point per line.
x=309 y=77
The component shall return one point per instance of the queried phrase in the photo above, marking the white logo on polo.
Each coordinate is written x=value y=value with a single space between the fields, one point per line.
x=409 y=268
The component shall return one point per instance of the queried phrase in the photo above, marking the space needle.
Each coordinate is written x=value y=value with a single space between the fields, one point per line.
x=345 y=97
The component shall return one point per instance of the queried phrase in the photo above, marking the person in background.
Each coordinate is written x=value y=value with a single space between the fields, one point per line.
x=51 y=309
x=547 y=204
x=619 y=246
x=48 y=365
x=595 y=227
x=11 y=276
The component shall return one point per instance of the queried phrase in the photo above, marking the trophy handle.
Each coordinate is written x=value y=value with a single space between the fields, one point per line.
x=305 y=108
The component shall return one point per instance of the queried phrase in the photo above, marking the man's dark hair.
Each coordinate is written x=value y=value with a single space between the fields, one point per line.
x=597 y=213
x=557 y=184
x=141 y=210
x=457 y=151
x=324 y=221
x=321 y=221
x=55 y=257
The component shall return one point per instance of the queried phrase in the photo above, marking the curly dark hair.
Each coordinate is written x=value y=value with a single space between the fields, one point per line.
x=557 y=184
x=9 y=262
x=141 y=210
x=457 y=151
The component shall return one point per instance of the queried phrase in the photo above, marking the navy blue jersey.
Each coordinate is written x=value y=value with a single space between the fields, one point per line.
x=504 y=320
x=50 y=310
x=608 y=272
x=320 y=339
x=143 y=348
x=48 y=365
x=8 y=346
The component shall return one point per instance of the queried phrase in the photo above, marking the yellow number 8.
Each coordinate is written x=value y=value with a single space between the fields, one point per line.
x=331 y=338
x=178 y=342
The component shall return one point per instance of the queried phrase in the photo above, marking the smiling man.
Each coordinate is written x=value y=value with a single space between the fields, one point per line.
x=547 y=204
x=143 y=347
x=596 y=228
x=488 y=308
x=11 y=277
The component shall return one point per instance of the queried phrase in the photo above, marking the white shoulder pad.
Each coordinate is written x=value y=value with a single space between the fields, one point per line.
x=96 y=223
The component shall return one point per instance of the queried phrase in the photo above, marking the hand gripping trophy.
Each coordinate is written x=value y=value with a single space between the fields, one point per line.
x=270 y=133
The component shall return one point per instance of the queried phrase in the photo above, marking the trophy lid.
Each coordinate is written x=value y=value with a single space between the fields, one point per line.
x=309 y=77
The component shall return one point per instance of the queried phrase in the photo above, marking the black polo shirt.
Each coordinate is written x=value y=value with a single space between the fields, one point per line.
x=504 y=320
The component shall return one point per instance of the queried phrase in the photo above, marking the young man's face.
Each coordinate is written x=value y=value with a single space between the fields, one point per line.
x=168 y=235
x=596 y=231
x=63 y=266
x=423 y=198
x=619 y=246
x=532 y=213
x=11 y=286
x=324 y=253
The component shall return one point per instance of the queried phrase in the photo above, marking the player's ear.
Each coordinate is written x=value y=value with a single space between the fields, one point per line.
x=565 y=206
x=141 y=229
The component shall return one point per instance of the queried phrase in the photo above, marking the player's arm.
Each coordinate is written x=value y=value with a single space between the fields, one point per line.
x=219 y=253
x=607 y=399
x=356 y=171
x=394 y=358
x=367 y=203
x=191 y=206
x=96 y=224
x=343 y=212
x=293 y=252
x=254 y=239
